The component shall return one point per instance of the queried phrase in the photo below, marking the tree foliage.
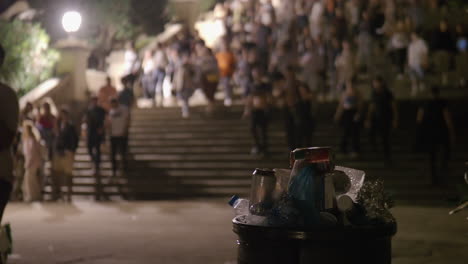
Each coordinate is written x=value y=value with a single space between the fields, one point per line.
x=29 y=60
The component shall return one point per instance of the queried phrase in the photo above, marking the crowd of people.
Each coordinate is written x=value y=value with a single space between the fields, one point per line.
x=291 y=54
x=277 y=54
x=47 y=134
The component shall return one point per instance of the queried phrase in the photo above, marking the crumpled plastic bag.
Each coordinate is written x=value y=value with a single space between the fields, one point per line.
x=307 y=191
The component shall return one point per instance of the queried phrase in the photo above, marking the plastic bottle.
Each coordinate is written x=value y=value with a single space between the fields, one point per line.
x=241 y=206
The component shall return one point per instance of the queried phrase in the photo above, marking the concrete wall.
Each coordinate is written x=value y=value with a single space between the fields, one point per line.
x=186 y=10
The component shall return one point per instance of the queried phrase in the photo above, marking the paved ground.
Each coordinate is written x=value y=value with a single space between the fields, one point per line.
x=193 y=232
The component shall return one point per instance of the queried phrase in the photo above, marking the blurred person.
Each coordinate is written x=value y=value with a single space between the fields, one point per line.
x=46 y=124
x=302 y=15
x=9 y=114
x=257 y=107
x=417 y=62
x=119 y=123
x=365 y=43
x=132 y=64
x=294 y=94
x=442 y=39
x=184 y=83
x=340 y=24
x=18 y=163
x=390 y=10
x=159 y=73
x=31 y=147
x=263 y=39
x=207 y=74
x=461 y=58
x=282 y=58
x=416 y=13
x=332 y=52
x=244 y=69
x=349 y=115
x=376 y=19
x=147 y=80
x=95 y=120
x=105 y=94
x=227 y=65
x=437 y=134
x=266 y=13
x=312 y=63
x=461 y=38
x=66 y=143
x=344 y=66
x=316 y=18
x=126 y=97
x=352 y=11
x=27 y=114
x=382 y=115
x=398 y=48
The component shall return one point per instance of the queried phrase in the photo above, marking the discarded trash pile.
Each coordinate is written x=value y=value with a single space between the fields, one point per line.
x=313 y=192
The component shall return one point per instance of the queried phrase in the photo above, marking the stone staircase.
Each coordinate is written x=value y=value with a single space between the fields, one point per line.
x=171 y=157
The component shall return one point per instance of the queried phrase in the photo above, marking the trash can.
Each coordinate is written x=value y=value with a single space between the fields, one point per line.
x=324 y=245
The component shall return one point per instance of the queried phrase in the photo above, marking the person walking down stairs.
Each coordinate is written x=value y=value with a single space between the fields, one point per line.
x=95 y=117
x=66 y=143
x=119 y=122
x=184 y=82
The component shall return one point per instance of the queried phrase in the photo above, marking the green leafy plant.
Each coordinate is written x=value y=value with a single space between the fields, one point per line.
x=29 y=60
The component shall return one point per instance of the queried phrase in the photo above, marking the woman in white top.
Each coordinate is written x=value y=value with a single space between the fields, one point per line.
x=32 y=184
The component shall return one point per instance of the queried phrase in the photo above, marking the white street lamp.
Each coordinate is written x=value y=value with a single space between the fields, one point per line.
x=71 y=21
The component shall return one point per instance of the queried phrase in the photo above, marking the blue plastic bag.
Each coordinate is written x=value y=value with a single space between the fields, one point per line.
x=307 y=192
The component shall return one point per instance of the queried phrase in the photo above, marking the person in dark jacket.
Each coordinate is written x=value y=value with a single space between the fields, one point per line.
x=126 y=96
x=66 y=143
x=9 y=112
x=437 y=134
x=382 y=115
x=95 y=117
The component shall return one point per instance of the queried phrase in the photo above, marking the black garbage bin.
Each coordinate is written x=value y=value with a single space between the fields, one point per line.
x=324 y=245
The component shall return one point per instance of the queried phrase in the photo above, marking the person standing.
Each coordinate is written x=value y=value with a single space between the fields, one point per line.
x=160 y=63
x=66 y=143
x=147 y=82
x=344 y=66
x=119 y=122
x=398 y=48
x=95 y=117
x=46 y=124
x=382 y=115
x=207 y=73
x=126 y=96
x=32 y=184
x=106 y=93
x=417 y=62
x=9 y=113
x=437 y=134
x=257 y=106
x=27 y=113
x=226 y=64
x=295 y=94
x=348 y=113
x=184 y=83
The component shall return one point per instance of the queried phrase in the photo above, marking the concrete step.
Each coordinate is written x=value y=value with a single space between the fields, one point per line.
x=206 y=156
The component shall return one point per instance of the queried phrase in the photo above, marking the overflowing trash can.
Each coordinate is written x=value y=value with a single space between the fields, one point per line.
x=314 y=212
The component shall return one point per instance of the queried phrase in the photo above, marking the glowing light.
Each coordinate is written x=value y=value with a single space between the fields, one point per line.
x=71 y=21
